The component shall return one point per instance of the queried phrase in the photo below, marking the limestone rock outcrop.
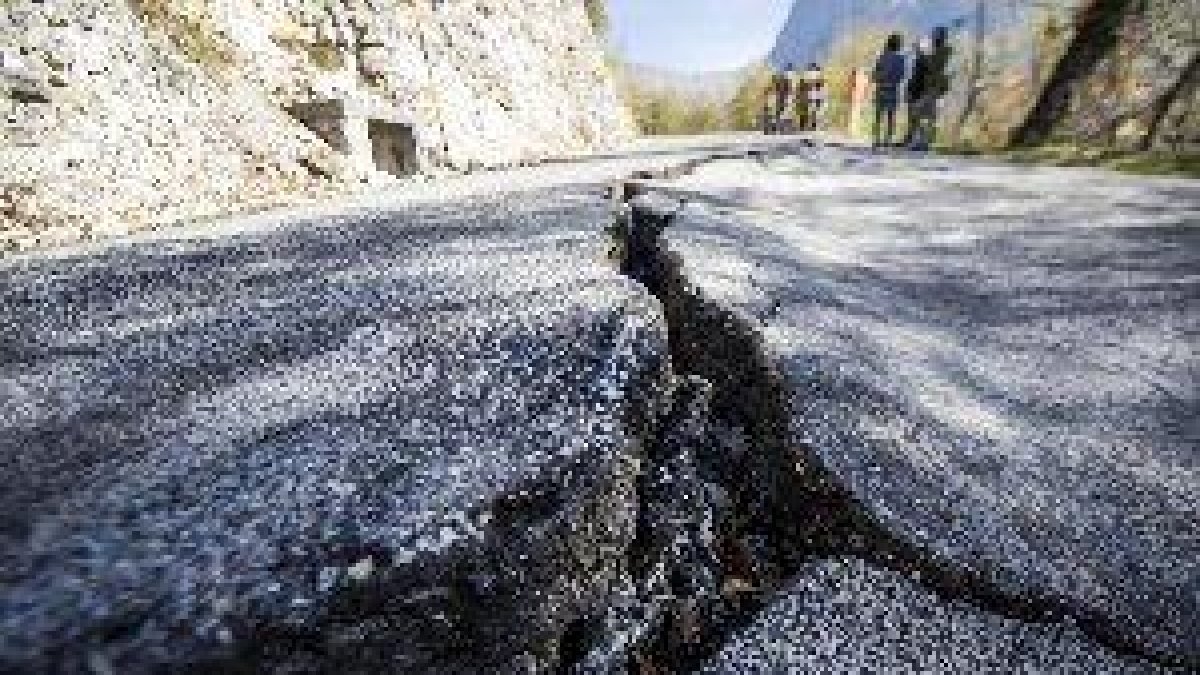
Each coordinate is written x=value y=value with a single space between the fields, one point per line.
x=127 y=113
x=1130 y=75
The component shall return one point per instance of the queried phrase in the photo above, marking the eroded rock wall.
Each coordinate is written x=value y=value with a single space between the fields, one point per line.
x=1128 y=76
x=127 y=113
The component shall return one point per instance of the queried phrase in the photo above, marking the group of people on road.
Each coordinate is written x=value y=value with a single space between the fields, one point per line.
x=799 y=100
x=924 y=85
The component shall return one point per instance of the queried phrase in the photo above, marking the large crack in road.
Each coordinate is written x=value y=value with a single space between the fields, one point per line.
x=786 y=510
x=419 y=435
x=792 y=515
x=463 y=435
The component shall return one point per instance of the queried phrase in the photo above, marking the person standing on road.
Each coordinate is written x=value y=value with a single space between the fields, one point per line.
x=889 y=73
x=781 y=85
x=917 y=97
x=814 y=81
x=938 y=84
x=800 y=100
x=764 y=118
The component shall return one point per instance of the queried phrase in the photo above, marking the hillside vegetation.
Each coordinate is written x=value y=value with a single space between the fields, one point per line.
x=662 y=107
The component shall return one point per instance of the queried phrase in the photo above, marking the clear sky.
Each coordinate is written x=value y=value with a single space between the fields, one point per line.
x=696 y=35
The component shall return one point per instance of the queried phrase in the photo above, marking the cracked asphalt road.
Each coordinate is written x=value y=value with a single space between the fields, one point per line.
x=208 y=436
x=1000 y=362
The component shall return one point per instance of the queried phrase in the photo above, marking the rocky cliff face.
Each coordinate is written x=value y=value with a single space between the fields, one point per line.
x=1143 y=86
x=125 y=113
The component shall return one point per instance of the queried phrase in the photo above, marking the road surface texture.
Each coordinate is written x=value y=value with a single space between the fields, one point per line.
x=447 y=430
x=998 y=364
x=843 y=616
x=404 y=437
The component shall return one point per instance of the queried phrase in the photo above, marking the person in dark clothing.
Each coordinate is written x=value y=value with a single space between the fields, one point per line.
x=939 y=76
x=937 y=86
x=916 y=94
x=781 y=84
x=814 y=96
x=889 y=74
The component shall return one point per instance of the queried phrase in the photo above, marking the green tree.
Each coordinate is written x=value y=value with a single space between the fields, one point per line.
x=701 y=118
x=747 y=103
x=665 y=114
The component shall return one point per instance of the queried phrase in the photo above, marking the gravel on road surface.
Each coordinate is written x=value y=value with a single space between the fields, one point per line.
x=844 y=616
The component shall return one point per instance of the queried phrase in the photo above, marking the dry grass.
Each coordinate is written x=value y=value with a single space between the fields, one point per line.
x=325 y=55
x=192 y=33
x=1155 y=163
x=322 y=52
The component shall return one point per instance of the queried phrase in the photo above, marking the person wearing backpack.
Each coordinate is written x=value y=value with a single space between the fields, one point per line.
x=918 y=97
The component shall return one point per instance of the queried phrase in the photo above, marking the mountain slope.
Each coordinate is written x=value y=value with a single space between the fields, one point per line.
x=813 y=28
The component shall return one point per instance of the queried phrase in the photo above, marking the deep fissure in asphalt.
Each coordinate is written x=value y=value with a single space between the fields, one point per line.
x=785 y=508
